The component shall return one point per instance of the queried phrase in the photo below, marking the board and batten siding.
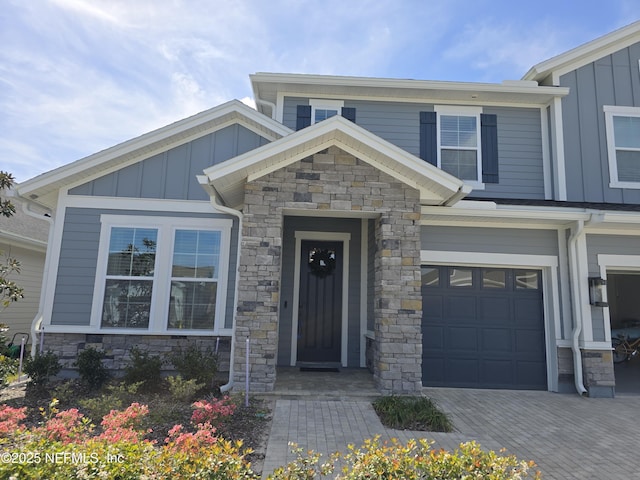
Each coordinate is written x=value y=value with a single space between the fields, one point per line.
x=347 y=225
x=76 y=274
x=606 y=245
x=172 y=174
x=611 y=80
x=520 y=160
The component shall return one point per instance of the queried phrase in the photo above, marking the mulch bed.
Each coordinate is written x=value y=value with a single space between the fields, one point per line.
x=250 y=424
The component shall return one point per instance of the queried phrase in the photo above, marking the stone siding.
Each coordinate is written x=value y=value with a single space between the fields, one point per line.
x=332 y=183
x=598 y=375
x=116 y=347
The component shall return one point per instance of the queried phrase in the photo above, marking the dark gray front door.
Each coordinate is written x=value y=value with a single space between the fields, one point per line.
x=320 y=307
x=483 y=328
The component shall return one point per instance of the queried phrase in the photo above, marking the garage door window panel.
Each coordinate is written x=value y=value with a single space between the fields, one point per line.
x=494 y=278
x=527 y=279
x=461 y=277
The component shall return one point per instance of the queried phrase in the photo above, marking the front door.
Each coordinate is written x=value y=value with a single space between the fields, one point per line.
x=320 y=302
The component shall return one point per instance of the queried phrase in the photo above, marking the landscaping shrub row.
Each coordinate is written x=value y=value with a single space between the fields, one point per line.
x=67 y=445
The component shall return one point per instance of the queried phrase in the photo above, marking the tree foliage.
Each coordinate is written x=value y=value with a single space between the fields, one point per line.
x=9 y=290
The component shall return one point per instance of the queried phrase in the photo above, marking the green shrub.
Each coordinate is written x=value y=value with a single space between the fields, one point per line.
x=414 y=460
x=115 y=398
x=90 y=367
x=195 y=364
x=143 y=368
x=183 y=390
x=8 y=368
x=42 y=367
x=411 y=413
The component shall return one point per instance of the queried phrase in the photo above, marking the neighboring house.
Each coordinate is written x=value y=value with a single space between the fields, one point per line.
x=23 y=237
x=439 y=233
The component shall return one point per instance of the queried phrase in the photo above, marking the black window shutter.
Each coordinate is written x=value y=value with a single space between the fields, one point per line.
x=489 y=138
x=303 y=116
x=349 y=113
x=428 y=137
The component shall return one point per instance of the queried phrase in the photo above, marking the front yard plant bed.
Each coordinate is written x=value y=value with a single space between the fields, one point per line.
x=134 y=443
x=68 y=416
x=411 y=413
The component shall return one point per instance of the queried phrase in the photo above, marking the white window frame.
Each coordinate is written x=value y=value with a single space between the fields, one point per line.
x=322 y=104
x=611 y=111
x=161 y=295
x=462 y=111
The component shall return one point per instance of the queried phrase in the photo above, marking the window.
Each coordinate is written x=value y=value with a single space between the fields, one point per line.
x=494 y=278
x=430 y=276
x=130 y=277
x=460 y=277
x=161 y=274
x=623 y=146
x=194 y=279
x=323 y=109
x=527 y=279
x=459 y=142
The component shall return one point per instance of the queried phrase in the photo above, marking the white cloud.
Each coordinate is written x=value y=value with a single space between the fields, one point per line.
x=490 y=45
x=77 y=76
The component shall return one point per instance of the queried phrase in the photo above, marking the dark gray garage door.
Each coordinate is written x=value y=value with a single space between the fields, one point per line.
x=483 y=328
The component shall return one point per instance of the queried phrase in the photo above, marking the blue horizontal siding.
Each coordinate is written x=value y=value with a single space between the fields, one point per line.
x=76 y=273
x=521 y=169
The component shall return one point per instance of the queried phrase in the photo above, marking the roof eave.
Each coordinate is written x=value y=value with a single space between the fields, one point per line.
x=45 y=184
x=585 y=53
x=353 y=87
x=228 y=177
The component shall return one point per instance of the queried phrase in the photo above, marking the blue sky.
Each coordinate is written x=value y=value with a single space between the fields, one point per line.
x=78 y=76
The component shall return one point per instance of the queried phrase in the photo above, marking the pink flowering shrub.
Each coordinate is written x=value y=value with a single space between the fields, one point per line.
x=66 y=427
x=124 y=425
x=65 y=445
x=10 y=419
x=212 y=410
x=189 y=442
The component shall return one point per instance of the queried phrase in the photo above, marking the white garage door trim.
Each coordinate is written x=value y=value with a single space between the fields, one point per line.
x=550 y=291
x=630 y=263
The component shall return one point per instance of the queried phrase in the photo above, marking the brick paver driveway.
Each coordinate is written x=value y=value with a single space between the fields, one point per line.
x=567 y=436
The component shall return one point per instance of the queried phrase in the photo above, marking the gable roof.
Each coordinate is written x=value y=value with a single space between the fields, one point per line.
x=586 y=53
x=23 y=230
x=44 y=188
x=436 y=186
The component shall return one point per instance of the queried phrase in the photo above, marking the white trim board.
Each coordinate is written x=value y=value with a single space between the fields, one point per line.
x=328 y=236
x=624 y=263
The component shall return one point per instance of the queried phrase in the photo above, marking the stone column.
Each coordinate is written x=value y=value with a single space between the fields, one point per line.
x=398 y=304
x=258 y=290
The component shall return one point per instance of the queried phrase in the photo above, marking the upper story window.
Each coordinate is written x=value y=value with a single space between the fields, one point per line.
x=323 y=109
x=623 y=145
x=463 y=141
x=458 y=138
x=161 y=274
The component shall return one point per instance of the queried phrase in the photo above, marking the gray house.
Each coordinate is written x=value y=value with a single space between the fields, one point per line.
x=438 y=233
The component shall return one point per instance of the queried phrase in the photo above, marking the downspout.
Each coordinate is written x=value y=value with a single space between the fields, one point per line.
x=213 y=195
x=36 y=323
x=577 y=306
x=271 y=105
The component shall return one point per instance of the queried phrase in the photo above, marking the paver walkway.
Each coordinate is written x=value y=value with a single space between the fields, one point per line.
x=567 y=436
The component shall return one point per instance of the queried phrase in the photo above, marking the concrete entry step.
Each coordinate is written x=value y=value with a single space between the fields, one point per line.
x=292 y=383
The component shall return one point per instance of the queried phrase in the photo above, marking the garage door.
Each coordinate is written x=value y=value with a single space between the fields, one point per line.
x=483 y=328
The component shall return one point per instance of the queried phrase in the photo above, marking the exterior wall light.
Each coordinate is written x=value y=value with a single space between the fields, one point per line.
x=598 y=292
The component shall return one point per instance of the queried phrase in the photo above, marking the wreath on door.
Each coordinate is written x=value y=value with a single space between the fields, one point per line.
x=322 y=262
